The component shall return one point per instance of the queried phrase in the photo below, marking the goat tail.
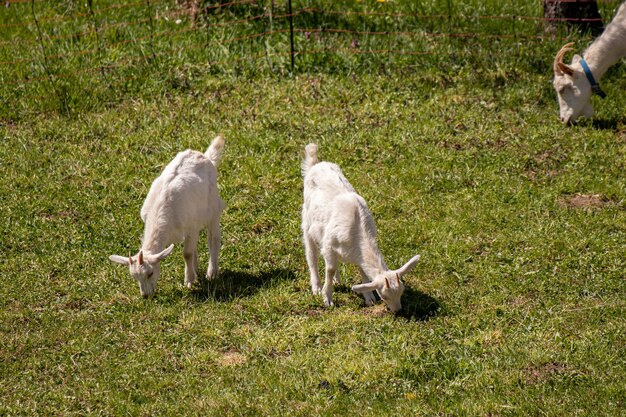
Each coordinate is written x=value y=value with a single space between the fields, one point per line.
x=214 y=153
x=310 y=157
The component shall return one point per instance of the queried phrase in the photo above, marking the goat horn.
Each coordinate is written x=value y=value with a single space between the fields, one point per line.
x=397 y=279
x=386 y=283
x=140 y=257
x=558 y=59
x=130 y=259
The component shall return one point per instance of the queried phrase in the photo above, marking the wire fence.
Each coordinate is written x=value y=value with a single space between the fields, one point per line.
x=73 y=51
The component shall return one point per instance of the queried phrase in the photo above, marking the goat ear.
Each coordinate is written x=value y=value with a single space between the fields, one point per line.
x=122 y=260
x=163 y=254
x=367 y=287
x=404 y=269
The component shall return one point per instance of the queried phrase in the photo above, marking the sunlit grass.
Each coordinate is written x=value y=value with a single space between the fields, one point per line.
x=516 y=308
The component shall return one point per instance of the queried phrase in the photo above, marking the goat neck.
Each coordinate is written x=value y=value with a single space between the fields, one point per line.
x=372 y=261
x=156 y=237
x=609 y=47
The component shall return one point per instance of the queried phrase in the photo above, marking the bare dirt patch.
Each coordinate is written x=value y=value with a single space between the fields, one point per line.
x=262 y=227
x=544 y=165
x=231 y=358
x=525 y=302
x=313 y=312
x=585 y=201
x=537 y=374
x=379 y=310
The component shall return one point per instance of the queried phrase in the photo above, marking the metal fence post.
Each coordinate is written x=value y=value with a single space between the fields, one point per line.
x=291 y=35
x=151 y=29
x=62 y=99
x=95 y=27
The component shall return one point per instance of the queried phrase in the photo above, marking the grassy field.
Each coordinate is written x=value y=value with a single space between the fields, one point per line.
x=517 y=307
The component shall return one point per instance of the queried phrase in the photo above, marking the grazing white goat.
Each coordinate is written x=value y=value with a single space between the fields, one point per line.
x=183 y=200
x=575 y=83
x=337 y=222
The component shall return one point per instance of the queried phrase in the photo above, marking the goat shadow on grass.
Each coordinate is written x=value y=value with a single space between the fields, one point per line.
x=608 y=124
x=229 y=284
x=418 y=306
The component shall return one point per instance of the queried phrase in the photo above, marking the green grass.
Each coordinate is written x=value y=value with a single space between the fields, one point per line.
x=516 y=308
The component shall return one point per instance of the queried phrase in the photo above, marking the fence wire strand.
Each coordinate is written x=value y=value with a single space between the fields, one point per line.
x=43 y=34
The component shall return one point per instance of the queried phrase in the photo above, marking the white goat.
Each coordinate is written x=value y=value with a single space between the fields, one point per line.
x=183 y=200
x=337 y=222
x=575 y=83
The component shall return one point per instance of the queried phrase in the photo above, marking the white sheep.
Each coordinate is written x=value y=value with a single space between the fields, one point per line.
x=183 y=200
x=337 y=223
x=575 y=83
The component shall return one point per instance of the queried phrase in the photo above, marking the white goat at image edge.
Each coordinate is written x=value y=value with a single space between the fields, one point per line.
x=573 y=83
x=337 y=223
x=181 y=202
